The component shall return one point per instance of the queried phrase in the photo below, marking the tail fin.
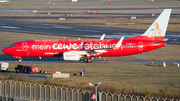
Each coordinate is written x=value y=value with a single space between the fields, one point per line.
x=158 y=28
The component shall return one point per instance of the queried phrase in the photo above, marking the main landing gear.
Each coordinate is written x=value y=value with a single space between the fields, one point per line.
x=87 y=60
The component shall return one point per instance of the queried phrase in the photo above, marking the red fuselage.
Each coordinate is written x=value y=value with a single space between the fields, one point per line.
x=55 y=48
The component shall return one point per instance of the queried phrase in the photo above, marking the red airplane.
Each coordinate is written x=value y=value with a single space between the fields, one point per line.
x=152 y=39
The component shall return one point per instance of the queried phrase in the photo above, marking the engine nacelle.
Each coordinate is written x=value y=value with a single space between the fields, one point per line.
x=71 y=56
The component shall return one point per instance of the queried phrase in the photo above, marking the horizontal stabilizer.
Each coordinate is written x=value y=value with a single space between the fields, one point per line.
x=166 y=41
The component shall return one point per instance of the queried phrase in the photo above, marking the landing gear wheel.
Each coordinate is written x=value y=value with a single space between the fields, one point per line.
x=89 y=60
x=85 y=60
x=20 y=60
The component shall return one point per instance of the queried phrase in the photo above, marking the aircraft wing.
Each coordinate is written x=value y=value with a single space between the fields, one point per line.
x=88 y=52
x=101 y=50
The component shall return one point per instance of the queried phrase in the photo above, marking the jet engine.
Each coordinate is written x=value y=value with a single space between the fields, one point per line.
x=71 y=56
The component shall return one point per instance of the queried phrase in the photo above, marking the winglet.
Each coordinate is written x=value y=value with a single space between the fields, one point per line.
x=102 y=37
x=119 y=43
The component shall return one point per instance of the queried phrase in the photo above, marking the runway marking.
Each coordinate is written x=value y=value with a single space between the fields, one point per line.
x=92 y=36
x=61 y=27
x=173 y=35
x=9 y=27
x=86 y=30
x=39 y=27
x=133 y=34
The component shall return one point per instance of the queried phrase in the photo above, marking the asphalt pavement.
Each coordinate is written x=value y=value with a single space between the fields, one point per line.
x=75 y=31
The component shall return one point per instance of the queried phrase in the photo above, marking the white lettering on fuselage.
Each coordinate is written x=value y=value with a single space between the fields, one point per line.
x=41 y=47
x=75 y=46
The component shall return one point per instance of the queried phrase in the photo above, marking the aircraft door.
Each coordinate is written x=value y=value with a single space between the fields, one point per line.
x=140 y=46
x=24 y=46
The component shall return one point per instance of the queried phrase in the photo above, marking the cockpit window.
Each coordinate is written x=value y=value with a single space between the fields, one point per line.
x=12 y=45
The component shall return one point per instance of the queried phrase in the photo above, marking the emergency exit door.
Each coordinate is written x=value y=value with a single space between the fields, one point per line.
x=24 y=46
x=140 y=46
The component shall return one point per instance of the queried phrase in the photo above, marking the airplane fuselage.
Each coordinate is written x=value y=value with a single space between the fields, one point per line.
x=55 y=48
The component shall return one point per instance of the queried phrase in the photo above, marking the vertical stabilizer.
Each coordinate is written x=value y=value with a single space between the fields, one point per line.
x=158 y=28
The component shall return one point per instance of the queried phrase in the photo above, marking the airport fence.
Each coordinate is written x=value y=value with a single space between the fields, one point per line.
x=17 y=90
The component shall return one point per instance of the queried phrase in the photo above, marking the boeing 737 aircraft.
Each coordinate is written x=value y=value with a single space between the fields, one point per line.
x=152 y=39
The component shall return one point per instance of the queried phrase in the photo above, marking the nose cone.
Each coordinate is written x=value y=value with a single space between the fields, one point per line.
x=6 y=50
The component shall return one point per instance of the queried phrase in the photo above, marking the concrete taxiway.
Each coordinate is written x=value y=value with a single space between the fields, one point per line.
x=101 y=17
x=46 y=61
x=76 y=31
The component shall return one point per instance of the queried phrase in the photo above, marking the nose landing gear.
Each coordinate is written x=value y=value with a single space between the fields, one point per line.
x=20 y=60
x=18 y=57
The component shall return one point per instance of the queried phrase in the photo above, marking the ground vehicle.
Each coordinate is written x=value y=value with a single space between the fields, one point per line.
x=27 y=69
x=4 y=66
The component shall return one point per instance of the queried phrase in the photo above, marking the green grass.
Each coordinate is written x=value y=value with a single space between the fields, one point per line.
x=139 y=79
x=152 y=77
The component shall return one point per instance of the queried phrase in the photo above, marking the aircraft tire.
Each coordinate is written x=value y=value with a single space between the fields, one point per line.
x=89 y=60
x=85 y=60
x=20 y=60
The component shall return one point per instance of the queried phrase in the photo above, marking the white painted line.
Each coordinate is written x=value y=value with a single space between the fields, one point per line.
x=61 y=27
x=173 y=35
x=9 y=27
x=96 y=36
x=39 y=27
x=3 y=1
x=86 y=30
